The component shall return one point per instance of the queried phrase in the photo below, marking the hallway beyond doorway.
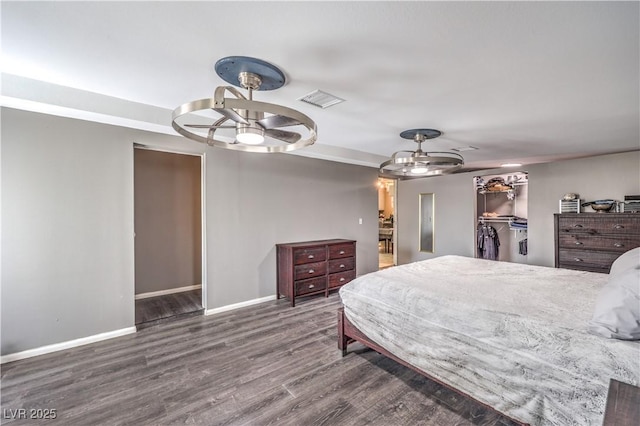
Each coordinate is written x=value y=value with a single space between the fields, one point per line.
x=386 y=222
x=153 y=310
x=385 y=259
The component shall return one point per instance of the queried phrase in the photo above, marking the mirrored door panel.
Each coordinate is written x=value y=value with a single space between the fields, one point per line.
x=427 y=209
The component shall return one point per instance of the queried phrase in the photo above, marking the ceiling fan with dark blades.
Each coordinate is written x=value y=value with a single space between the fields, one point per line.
x=257 y=124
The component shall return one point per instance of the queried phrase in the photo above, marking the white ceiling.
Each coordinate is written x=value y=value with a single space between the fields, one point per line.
x=523 y=81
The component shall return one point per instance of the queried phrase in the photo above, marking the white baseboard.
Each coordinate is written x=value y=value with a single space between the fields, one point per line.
x=66 y=345
x=116 y=333
x=239 y=305
x=168 y=291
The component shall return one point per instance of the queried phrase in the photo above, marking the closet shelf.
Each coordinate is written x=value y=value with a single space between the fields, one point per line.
x=486 y=191
x=508 y=220
x=495 y=219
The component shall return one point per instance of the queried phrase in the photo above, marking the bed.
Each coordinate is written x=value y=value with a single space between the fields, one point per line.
x=513 y=337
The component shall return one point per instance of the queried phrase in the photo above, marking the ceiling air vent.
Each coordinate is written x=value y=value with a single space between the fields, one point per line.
x=321 y=99
x=464 y=148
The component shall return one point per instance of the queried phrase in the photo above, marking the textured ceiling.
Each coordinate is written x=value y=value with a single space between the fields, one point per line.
x=523 y=81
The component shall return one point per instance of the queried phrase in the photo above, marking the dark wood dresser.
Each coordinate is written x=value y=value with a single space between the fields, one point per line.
x=314 y=267
x=592 y=241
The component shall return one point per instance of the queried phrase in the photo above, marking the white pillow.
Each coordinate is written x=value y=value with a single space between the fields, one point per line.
x=625 y=261
x=617 y=311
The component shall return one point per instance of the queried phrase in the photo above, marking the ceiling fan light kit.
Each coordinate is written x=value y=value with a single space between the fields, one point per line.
x=257 y=124
x=419 y=163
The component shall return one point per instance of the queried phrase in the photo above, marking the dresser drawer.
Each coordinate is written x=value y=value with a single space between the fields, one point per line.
x=600 y=224
x=620 y=225
x=311 y=285
x=338 y=251
x=341 y=278
x=309 y=270
x=590 y=259
x=588 y=268
x=309 y=255
x=612 y=242
x=339 y=265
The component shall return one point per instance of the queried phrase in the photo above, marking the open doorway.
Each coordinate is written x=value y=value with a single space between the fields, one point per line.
x=168 y=235
x=501 y=209
x=386 y=222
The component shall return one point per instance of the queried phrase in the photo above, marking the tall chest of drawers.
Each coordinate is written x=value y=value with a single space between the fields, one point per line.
x=314 y=267
x=592 y=241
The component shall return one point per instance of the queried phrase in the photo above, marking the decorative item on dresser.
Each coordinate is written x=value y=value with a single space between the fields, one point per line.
x=314 y=267
x=592 y=241
x=631 y=204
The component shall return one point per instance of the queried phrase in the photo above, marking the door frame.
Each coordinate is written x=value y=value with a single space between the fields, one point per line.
x=395 y=222
x=203 y=212
x=394 y=197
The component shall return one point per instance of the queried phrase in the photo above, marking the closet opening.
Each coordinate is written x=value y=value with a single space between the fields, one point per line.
x=386 y=223
x=168 y=222
x=501 y=212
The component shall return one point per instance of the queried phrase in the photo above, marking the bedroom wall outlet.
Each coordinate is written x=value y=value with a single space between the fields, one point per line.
x=360 y=221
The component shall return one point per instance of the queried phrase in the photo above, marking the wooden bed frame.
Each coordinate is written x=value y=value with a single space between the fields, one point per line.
x=348 y=333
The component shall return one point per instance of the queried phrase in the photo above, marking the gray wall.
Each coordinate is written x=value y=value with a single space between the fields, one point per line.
x=168 y=220
x=67 y=218
x=262 y=201
x=595 y=178
x=608 y=176
x=67 y=230
x=454 y=223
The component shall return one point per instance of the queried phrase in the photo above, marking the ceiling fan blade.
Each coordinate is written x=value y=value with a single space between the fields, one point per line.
x=274 y=121
x=215 y=125
x=231 y=115
x=283 y=135
x=208 y=126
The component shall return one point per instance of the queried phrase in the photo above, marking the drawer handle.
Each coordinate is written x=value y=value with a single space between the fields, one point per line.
x=311 y=256
x=311 y=286
x=311 y=271
x=577 y=259
x=341 y=279
x=577 y=226
x=618 y=227
x=342 y=265
x=341 y=251
x=578 y=243
x=618 y=245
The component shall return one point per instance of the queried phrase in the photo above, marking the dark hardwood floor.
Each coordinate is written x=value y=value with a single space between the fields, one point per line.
x=152 y=310
x=262 y=365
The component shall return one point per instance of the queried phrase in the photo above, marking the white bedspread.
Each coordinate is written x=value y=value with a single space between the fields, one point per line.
x=512 y=336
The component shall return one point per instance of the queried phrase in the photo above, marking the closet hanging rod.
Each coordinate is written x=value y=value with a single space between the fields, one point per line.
x=496 y=219
x=502 y=220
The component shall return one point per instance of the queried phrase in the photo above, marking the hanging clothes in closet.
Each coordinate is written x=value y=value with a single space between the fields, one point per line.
x=522 y=247
x=488 y=242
